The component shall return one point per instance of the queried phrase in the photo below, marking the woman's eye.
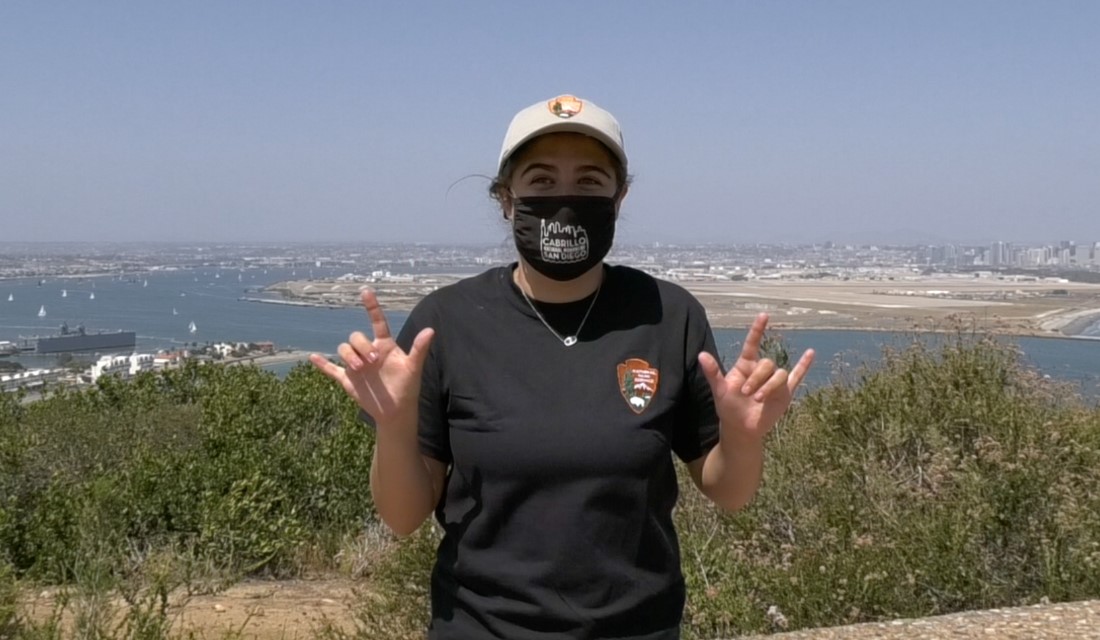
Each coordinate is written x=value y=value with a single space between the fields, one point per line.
x=541 y=180
x=591 y=181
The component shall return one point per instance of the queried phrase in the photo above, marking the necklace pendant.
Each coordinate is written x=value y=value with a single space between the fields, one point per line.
x=570 y=341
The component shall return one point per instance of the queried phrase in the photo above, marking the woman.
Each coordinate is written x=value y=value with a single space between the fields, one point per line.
x=534 y=408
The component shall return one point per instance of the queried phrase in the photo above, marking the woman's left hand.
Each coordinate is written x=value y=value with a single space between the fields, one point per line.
x=755 y=394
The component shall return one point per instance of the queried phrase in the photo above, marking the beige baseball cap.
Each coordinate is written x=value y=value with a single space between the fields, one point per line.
x=563 y=113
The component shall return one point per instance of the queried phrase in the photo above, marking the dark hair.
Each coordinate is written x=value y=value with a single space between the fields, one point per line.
x=498 y=187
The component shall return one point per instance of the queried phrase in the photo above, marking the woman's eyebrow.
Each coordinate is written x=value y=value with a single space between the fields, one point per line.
x=593 y=167
x=536 y=165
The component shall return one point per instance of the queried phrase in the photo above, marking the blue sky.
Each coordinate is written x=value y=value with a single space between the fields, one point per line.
x=874 y=121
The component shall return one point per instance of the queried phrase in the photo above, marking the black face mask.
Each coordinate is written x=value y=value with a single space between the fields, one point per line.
x=562 y=237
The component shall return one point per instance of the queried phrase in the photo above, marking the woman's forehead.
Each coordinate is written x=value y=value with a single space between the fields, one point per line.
x=565 y=146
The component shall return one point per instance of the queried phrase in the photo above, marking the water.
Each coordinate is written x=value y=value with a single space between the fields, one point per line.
x=209 y=297
x=1072 y=360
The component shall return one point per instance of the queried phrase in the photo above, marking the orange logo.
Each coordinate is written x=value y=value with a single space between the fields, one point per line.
x=565 y=106
x=637 y=383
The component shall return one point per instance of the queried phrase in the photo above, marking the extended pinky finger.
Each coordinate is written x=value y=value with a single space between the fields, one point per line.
x=800 y=369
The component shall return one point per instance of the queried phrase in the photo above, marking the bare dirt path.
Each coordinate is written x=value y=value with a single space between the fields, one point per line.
x=260 y=610
x=297 y=609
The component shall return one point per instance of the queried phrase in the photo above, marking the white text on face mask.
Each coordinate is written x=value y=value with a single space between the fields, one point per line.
x=563 y=243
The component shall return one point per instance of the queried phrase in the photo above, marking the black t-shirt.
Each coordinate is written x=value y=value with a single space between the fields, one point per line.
x=557 y=509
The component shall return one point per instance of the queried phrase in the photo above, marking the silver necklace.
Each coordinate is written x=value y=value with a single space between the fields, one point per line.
x=568 y=341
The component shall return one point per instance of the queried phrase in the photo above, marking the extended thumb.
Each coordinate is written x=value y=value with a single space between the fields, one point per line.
x=711 y=370
x=421 y=345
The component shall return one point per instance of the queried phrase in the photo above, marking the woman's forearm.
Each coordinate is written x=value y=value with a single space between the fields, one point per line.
x=399 y=479
x=732 y=472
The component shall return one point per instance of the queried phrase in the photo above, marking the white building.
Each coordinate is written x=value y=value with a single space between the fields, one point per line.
x=121 y=366
x=107 y=365
x=29 y=379
x=141 y=362
x=226 y=349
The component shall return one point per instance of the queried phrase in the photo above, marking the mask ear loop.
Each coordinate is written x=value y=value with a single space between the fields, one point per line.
x=511 y=205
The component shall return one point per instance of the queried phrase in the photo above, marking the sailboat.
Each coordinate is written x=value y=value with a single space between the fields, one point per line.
x=191 y=327
x=64 y=293
x=174 y=312
x=42 y=311
x=91 y=296
x=11 y=298
x=145 y=284
x=238 y=277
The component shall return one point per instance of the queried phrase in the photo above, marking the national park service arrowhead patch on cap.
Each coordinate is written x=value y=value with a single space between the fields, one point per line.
x=565 y=107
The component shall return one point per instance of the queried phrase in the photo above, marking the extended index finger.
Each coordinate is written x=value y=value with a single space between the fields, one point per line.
x=751 y=348
x=327 y=367
x=378 y=323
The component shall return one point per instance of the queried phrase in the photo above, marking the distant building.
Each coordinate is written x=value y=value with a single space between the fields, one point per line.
x=166 y=359
x=29 y=379
x=266 y=347
x=141 y=362
x=110 y=365
x=122 y=366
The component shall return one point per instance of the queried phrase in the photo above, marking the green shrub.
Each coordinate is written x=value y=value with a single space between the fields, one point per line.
x=229 y=463
x=945 y=477
x=942 y=479
x=9 y=599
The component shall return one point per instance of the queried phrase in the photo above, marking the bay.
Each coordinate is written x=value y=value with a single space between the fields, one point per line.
x=210 y=298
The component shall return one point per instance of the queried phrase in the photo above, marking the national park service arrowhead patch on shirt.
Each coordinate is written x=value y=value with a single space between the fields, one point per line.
x=637 y=383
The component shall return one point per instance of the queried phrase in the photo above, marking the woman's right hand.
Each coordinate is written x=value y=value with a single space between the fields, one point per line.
x=382 y=379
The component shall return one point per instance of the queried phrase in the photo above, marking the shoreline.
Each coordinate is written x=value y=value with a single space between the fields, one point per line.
x=1076 y=322
x=1066 y=327
x=297 y=355
x=988 y=308
x=295 y=303
x=779 y=328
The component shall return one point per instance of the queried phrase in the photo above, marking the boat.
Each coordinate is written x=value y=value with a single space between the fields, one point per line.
x=191 y=327
x=145 y=284
x=64 y=293
x=174 y=312
x=11 y=297
x=42 y=311
x=91 y=296
x=71 y=340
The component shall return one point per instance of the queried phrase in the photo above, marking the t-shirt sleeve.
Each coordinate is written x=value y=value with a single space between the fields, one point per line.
x=696 y=430
x=433 y=435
